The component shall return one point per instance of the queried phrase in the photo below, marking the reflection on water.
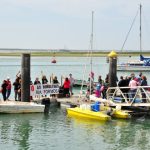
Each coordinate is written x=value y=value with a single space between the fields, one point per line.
x=58 y=131
x=117 y=134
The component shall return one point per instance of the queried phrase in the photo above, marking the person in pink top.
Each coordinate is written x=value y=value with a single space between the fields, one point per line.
x=133 y=87
x=66 y=87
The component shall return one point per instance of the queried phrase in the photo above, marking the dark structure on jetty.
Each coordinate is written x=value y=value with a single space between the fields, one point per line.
x=25 y=78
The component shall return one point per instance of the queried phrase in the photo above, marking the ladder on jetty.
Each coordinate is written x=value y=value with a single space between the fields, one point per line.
x=123 y=96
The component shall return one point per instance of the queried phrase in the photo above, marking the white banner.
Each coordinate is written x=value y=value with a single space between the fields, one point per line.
x=44 y=89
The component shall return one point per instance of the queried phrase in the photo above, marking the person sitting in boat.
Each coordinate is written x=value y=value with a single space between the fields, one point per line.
x=72 y=81
x=66 y=87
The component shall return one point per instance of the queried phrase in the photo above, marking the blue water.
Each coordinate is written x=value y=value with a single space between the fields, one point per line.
x=57 y=131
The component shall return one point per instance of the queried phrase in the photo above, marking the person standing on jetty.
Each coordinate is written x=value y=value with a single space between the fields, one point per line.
x=16 y=87
x=144 y=83
x=66 y=87
x=71 y=79
x=8 y=92
x=3 y=89
x=133 y=86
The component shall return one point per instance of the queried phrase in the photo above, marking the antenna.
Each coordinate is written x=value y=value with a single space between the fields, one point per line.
x=91 y=42
x=140 y=28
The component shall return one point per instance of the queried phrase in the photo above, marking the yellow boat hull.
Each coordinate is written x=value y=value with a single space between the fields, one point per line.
x=120 y=114
x=84 y=113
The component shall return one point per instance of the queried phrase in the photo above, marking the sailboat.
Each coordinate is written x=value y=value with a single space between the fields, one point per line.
x=143 y=64
x=84 y=110
x=95 y=111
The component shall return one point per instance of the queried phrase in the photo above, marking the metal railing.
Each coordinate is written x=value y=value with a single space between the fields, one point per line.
x=140 y=94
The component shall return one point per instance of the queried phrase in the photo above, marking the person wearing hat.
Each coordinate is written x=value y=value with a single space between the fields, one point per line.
x=8 y=92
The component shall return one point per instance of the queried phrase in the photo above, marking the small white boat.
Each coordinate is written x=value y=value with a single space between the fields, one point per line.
x=133 y=66
x=143 y=64
x=10 y=107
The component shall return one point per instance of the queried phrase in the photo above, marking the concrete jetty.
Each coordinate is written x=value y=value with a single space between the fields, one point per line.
x=20 y=107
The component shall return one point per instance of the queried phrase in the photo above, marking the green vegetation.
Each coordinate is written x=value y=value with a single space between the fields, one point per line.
x=74 y=54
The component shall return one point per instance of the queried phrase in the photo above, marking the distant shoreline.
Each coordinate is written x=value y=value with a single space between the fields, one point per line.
x=73 y=54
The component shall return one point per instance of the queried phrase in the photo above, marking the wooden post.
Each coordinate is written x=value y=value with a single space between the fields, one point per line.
x=25 y=78
x=113 y=69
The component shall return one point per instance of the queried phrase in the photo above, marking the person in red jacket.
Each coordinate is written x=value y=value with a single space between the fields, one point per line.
x=66 y=87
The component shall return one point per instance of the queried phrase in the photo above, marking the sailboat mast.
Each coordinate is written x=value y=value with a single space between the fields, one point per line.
x=140 y=28
x=91 y=43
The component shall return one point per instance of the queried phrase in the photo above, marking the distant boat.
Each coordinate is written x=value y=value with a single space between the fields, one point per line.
x=79 y=82
x=143 y=64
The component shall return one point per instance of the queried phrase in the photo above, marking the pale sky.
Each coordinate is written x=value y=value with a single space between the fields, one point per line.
x=58 y=24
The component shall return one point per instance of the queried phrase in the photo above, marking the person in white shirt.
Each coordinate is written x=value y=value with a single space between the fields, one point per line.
x=71 y=79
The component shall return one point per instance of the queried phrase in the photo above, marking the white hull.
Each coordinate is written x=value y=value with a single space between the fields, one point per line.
x=133 y=68
x=20 y=107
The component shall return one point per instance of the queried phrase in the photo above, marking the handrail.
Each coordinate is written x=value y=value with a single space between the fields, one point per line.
x=129 y=95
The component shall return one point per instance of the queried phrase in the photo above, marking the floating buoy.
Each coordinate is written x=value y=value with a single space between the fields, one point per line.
x=53 y=61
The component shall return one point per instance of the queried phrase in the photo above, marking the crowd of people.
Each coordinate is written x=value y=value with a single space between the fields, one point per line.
x=131 y=82
x=6 y=86
x=99 y=88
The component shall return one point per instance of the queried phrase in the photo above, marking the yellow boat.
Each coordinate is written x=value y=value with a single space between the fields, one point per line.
x=116 y=113
x=121 y=114
x=89 y=114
